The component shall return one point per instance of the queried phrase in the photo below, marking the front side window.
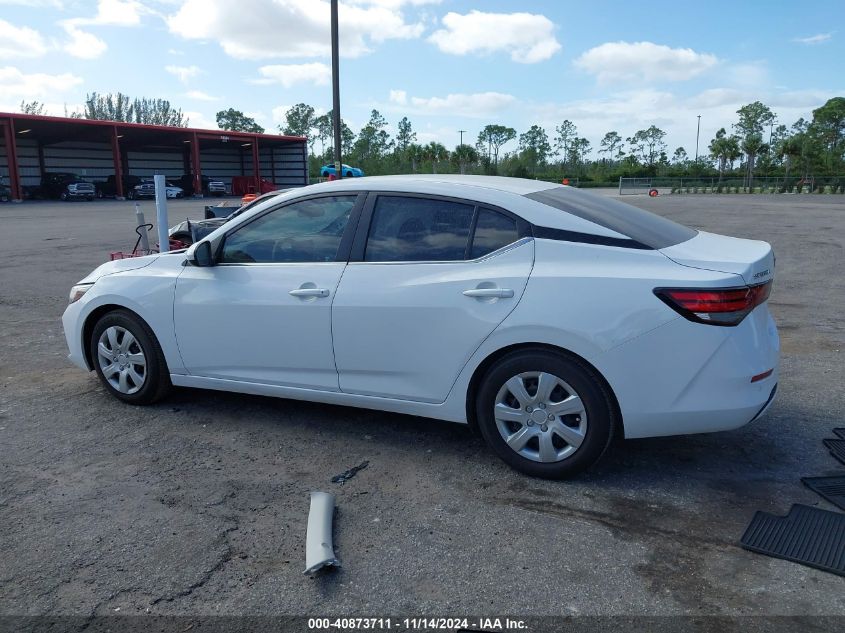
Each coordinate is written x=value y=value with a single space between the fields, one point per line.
x=405 y=229
x=304 y=231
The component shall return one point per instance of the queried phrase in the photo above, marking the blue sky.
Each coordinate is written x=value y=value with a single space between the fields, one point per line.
x=447 y=64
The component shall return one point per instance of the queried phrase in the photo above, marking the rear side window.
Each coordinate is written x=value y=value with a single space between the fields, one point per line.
x=407 y=229
x=641 y=226
x=492 y=232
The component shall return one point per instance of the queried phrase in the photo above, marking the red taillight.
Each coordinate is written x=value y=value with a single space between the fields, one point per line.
x=715 y=306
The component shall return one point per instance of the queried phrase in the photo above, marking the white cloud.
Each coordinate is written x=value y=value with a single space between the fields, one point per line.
x=199 y=95
x=265 y=29
x=528 y=37
x=288 y=75
x=20 y=41
x=199 y=120
x=814 y=39
x=476 y=105
x=399 y=97
x=643 y=61
x=183 y=73
x=82 y=44
x=86 y=45
x=18 y=86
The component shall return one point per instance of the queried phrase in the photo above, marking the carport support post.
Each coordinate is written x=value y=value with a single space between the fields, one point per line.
x=256 y=169
x=161 y=213
x=118 y=168
x=195 y=164
x=12 y=161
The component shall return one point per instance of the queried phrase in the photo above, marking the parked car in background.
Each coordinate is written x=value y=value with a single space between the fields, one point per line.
x=146 y=188
x=108 y=188
x=346 y=170
x=66 y=186
x=5 y=193
x=551 y=319
x=210 y=186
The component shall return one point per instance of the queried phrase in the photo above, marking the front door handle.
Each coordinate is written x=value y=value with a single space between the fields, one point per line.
x=309 y=292
x=486 y=293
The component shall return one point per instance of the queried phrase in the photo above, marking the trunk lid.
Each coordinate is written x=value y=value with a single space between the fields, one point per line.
x=753 y=260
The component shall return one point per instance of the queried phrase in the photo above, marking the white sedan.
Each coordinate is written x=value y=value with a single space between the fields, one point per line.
x=550 y=319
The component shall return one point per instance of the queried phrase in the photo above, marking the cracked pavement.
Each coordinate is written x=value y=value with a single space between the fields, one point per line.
x=198 y=505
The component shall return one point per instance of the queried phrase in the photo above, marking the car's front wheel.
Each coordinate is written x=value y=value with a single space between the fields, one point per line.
x=128 y=358
x=545 y=414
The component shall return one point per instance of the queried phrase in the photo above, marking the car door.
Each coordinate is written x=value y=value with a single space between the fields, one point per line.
x=263 y=313
x=429 y=279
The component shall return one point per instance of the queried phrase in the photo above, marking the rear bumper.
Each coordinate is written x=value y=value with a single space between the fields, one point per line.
x=687 y=377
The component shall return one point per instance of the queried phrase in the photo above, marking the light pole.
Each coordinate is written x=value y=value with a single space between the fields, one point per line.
x=462 y=136
x=697 y=134
x=338 y=163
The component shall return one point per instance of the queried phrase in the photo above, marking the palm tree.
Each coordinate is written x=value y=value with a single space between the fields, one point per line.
x=752 y=145
x=435 y=152
x=725 y=149
x=464 y=155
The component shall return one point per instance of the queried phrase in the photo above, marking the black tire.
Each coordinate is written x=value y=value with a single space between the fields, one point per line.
x=349 y=174
x=90 y=198
x=64 y=196
x=596 y=400
x=156 y=382
x=131 y=194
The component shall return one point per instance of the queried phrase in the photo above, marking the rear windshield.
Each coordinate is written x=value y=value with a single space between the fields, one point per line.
x=642 y=226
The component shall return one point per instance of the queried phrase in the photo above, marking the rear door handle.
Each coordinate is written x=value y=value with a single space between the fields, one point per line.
x=498 y=293
x=309 y=292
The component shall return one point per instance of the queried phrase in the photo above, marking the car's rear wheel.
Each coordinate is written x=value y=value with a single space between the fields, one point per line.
x=349 y=174
x=545 y=414
x=63 y=196
x=128 y=358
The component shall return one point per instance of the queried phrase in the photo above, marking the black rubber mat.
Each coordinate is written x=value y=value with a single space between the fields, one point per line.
x=806 y=535
x=840 y=432
x=831 y=488
x=836 y=448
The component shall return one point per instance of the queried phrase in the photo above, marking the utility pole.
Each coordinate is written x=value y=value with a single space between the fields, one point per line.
x=336 y=120
x=697 y=134
x=462 y=136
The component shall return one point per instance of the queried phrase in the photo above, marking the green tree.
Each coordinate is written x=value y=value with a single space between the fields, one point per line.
x=680 y=156
x=416 y=154
x=373 y=140
x=534 y=147
x=33 y=107
x=829 y=127
x=648 y=144
x=324 y=126
x=110 y=107
x=724 y=149
x=237 y=121
x=494 y=136
x=405 y=135
x=753 y=118
x=579 y=147
x=611 y=145
x=435 y=153
x=299 y=121
x=464 y=156
x=566 y=131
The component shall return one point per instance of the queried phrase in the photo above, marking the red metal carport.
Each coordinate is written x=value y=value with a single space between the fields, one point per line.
x=33 y=145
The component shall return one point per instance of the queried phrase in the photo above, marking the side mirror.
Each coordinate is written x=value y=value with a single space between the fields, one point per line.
x=202 y=255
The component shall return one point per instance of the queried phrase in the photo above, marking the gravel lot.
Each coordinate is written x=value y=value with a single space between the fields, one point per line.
x=198 y=505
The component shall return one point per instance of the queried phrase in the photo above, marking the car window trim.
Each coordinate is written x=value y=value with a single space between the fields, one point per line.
x=343 y=248
x=359 y=245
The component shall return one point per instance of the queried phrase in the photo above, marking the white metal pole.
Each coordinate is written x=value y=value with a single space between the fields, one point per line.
x=161 y=213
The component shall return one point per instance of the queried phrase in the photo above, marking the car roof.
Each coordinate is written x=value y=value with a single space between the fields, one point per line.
x=519 y=186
